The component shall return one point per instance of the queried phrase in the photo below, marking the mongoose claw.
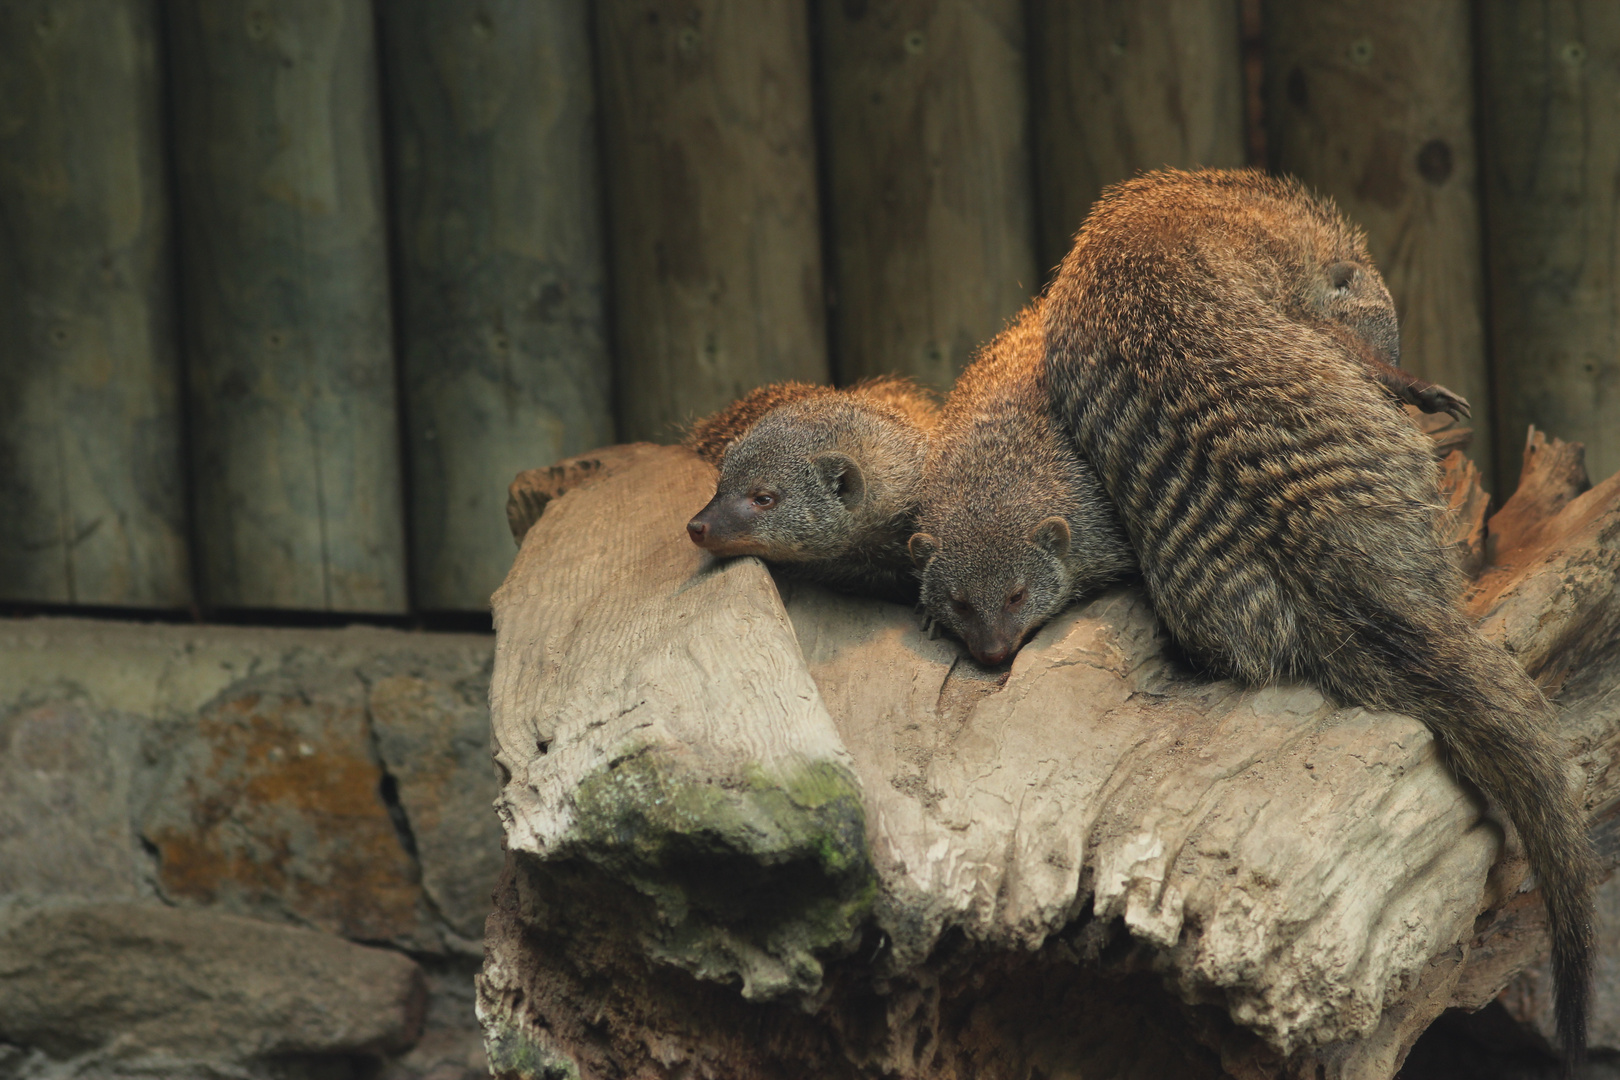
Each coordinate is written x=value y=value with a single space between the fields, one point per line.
x=1439 y=399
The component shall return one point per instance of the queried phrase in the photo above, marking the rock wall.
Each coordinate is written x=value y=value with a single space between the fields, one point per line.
x=242 y=852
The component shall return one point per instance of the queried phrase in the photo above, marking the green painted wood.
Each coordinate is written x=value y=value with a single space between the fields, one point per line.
x=284 y=277
x=1121 y=86
x=499 y=250
x=714 y=231
x=1373 y=104
x=92 y=505
x=930 y=195
x=1550 y=96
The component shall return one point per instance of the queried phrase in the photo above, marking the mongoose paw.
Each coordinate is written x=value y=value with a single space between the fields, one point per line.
x=1439 y=399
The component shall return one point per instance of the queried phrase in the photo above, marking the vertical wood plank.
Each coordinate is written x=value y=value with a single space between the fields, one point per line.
x=713 y=224
x=499 y=250
x=1121 y=86
x=930 y=194
x=92 y=504
x=1372 y=103
x=284 y=280
x=1550 y=93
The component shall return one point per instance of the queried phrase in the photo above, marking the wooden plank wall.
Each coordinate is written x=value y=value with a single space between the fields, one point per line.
x=285 y=293
x=714 y=222
x=92 y=504
x=1121 y=86
x=423 y=245
x=1373 y=104
x=931 y=224
x=500 y=266
x=1550 y=93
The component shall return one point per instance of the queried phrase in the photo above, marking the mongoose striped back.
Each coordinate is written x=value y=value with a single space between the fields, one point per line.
x=1282 y=512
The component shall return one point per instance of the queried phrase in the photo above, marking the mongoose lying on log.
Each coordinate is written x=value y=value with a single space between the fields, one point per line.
x=1283 y=516
x=819 y=481
x=1012 y=521
x=1014 y=524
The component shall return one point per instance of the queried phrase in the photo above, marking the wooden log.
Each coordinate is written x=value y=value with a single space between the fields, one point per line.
x=1549 y=80
x=1035 y=836
x=722 y=759
x=499 y=252
x=284 y=281
x=1121 y=86
x=1373 y=104
x=713 y=223
x=92 y=498
x=930 y=197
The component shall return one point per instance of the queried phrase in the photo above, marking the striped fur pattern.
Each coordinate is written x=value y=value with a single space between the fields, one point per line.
x=1283 y=514
x=1013 y=523
x=820 y=482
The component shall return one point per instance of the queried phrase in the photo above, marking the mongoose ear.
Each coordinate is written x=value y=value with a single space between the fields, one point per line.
x=922 y=547
x=1053 y=535
x=843 y=476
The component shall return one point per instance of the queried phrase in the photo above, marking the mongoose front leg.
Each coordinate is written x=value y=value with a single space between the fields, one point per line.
x=1428 y=396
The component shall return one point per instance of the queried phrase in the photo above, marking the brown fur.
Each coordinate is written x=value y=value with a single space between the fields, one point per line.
x=1013 y=524
x=1283 y=515
x=819 y=481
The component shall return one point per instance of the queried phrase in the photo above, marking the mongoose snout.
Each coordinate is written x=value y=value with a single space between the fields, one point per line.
x=726 y=525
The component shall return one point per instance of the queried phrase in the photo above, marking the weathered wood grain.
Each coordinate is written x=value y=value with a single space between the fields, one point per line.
x=1120 y=86
x=500 y=256
x=1549 y=81
x=930 y=197
x=1313 y=872
x=713 y=223
x=705 y=749
x=1373 y=104
x=284 y=286
x=92 y=503
x=532 y=490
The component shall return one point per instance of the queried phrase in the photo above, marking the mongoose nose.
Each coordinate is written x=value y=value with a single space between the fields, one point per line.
x=698 y=531
x=994 y=657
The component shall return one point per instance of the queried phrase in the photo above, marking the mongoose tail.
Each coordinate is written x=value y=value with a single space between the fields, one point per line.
x=1283 y=514
x=819 y=481
x=1430 y=662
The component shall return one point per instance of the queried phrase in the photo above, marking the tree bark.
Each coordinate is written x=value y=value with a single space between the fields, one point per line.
x=761 y=829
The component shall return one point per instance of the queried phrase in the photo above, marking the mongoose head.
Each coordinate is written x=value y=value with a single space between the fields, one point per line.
x=781 y=505
x=814 y=479
x=994 y=587
x=1349 y=293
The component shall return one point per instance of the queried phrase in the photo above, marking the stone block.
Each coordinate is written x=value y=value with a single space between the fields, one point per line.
x=143 y=980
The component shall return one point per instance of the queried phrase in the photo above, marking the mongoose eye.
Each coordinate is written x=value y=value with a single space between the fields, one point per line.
x=764 y=500
x=1015 y=598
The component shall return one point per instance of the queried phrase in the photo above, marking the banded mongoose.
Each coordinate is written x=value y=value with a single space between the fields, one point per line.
x=1012 y=520
x=1013 y=523
x=819 y=481
x=1284 y=517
